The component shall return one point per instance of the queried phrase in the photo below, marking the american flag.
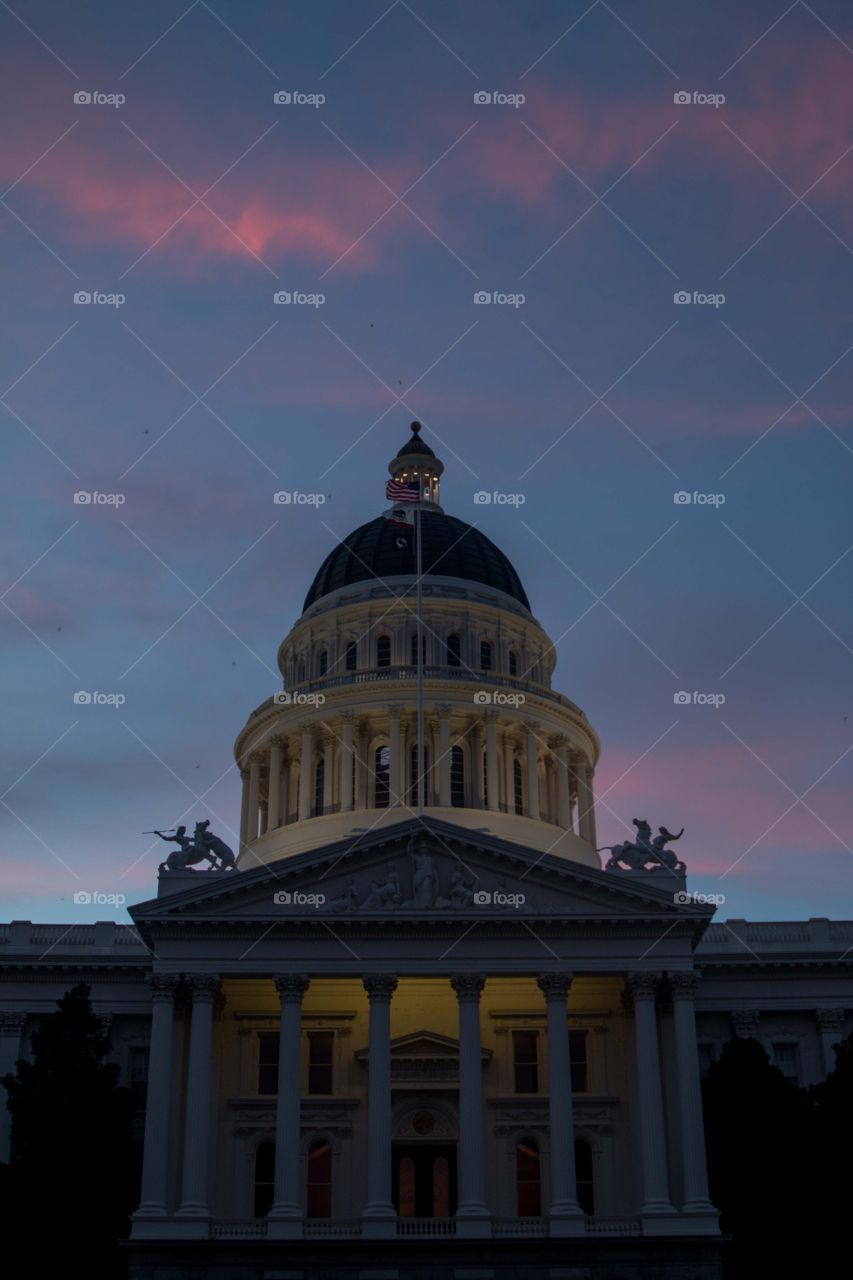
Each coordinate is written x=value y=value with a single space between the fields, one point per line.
x=403 y=491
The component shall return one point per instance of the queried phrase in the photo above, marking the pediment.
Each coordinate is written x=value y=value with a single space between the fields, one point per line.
x=417 y=872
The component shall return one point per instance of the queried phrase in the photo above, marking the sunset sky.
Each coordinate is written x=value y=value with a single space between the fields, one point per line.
x=594 y=395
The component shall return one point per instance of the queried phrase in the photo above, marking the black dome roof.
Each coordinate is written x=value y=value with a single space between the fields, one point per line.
x=450 y=548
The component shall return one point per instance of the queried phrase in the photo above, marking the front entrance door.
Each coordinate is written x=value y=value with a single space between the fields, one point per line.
x=425 y=1179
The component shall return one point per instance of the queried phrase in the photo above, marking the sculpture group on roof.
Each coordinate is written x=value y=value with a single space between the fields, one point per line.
x=647 y=853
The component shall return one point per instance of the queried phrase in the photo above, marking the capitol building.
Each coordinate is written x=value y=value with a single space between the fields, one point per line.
x=423 y=1029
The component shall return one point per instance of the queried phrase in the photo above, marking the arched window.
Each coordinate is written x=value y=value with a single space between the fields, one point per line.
x=413 y=774
x=517 y=786
x=318 y=1200
x=351 y=656
x=264 y=1178
x=583 y=1168
x=382 y=780
x=454 y=651
x=528 y=1179
x=485 y=655
x=457 y=777
x=383 y=651
x=415 y=649
x=513 y=662
x=319 y=786
x=323 y=663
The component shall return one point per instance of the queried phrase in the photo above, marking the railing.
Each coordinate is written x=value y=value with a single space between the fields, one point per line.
x=426 y=1227
x=244 y=1230
x=503 y=1227
x=614 y=1227
x=383 y=675
x=331 y=1229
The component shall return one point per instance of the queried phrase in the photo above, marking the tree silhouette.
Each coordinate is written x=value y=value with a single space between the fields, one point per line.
x=69 y=1183
x=759 y=1144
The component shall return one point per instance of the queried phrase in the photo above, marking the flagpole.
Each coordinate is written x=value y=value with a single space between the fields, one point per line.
x=420 y=653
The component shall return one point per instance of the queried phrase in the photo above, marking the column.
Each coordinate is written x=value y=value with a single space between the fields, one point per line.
x=286 y=1212
x=274 y=786
x=306 y=780
x=532 y=773
x=564 y=807
x=394 y=757
x=565 y=1214
x=831 y=1025
x=11 y=1033
x=361 y=767
x=444 y=756
x=379 y=1215
x=509 y=772
x=194 y=1198
x=494 y=799
x=472 y=1213
x=244 y=809
x=475 y=782
x=586 y=802
x=656 y=1201
x=695 y=1199
x=346 y=761
x=254 y=798
x=155 y=1153
x=328 y=773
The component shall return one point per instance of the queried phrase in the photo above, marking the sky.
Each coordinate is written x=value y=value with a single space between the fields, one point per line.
x=655 y=201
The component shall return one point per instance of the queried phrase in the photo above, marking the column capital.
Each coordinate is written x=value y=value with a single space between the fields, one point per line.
x=468 y=986
x=395 y=710
x=379 y=986
x=555 y=986
x=642 y=985
x=683 y=984
x=12 y=1024
x=347 y=716
x=163 y=986
x=291 y=986
x=444 y=708
x=204 y=987
x=829 y=1019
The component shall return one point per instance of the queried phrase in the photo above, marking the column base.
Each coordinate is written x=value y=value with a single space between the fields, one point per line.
x=379 y=1223
x=188 y=1228
x=473 y=1222
x=284 y=1228
x=660 y=1222
x=567 y=1222
x=149 y=1227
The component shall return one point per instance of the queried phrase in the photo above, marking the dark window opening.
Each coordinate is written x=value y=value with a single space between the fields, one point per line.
x=528 y=1180
x=268 y=1062
x=324 y=662
x=383 y=651
x=485 y=655
x=413 y=773
x=382 y=769
x=525 y=1058
x=320 y=1047
x=319 y=1198
x=517 y=786
x=415 y=650
x=264 y=1178
x=319 y=786
x=513 y=663
x=577 y=1054
x=457 y=777
x=351 y=656
x=583 y=1173
x=454 y=651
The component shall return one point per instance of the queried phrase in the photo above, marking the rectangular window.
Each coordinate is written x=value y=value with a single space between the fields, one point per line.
x=785 y=1058
x=577 y=1058
x=268 y=1062
x=525 y=1056
x=320 y=1046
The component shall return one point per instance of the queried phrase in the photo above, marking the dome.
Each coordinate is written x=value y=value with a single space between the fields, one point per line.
x=450 y=548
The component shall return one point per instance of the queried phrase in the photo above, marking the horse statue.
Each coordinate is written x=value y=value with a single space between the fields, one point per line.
x=202 y=846
x=646 y=853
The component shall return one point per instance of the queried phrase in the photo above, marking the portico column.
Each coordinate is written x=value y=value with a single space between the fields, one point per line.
x=642 y=987
x=194 y=1199
x=509 y=772
x=394 y=756
x=475 y=738
x=11 y=1031
x=566 y=1215
x=361 y=769
x=155 y=1152
x=379 y=1213
x=346 y=761
x=274 y=786
x=694 y=1161
x=254 y=798
x=444 y=756
x=493 y=799
x=473 y=1213
x=564 y=807
x=328 y=772
x=244 y=809
x=305 y=763
x=286 y=1212
x=831 y=1025
x=532 y=773
x=586 y=802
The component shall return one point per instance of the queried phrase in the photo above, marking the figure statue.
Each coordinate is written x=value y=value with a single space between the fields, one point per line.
x=424 y=879
x=348 y=900
x=188 y=854
x=646 y=854
x=461 y=893
x=203 y=846
x=384 y=893
x=225 y=855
